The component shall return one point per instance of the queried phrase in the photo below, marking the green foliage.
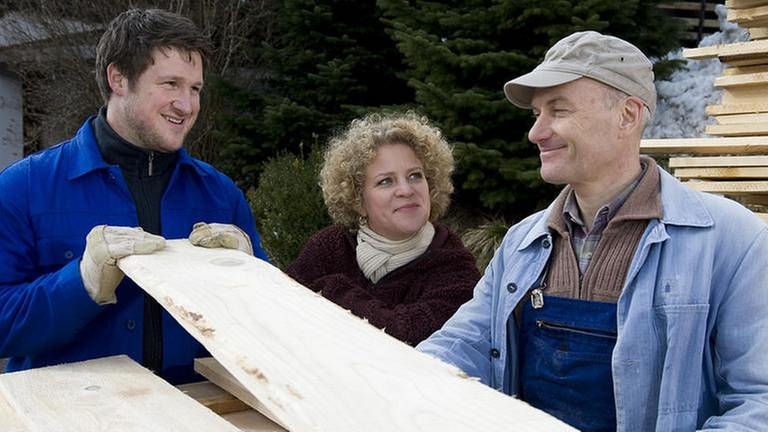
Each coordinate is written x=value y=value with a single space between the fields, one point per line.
x=484 y=240
x=460 y=53
x=329 y=62
x=288 y=205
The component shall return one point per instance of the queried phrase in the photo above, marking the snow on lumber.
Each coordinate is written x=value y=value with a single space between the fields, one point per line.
x=312 y=364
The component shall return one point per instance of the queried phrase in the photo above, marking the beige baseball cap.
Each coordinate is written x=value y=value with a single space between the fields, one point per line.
x=607 y=59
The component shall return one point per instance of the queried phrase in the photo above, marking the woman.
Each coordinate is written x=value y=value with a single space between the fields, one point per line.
x=385 y=179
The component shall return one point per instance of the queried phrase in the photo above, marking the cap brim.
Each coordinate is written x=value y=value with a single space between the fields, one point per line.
x=520 y=90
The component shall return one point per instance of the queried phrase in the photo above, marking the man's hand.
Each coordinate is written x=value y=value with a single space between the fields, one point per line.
x=215 y=235
x=104 y=245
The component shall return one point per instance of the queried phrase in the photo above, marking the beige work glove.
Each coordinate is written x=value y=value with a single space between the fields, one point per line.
x=215 y=235
x=104 y=245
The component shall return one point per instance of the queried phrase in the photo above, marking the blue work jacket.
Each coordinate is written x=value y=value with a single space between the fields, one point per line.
x=692 y=318
x=49 y=202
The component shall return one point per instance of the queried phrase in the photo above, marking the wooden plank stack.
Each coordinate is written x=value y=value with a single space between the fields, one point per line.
x=698 y=17
x=734 y=160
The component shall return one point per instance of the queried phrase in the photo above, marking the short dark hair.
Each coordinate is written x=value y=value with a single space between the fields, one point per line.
x=132 y=36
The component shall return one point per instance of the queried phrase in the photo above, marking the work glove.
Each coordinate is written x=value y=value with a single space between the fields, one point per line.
x=104 y=245
x=215 y=235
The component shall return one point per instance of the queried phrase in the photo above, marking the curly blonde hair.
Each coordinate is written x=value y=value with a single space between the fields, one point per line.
x=349 y=153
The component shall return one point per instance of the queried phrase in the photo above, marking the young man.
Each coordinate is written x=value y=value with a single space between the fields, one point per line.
x=67 y=213
x=632 y=303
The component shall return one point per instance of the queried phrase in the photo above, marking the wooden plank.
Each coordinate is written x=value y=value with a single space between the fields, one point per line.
x=718 y=161
x=686 y=6
x=213 y=397
x=743 y=4
x=213 y=371
x=755 y=94
x=743 y=80
x=313 y=364
x=708 y=23
x=113 y=393
x=742 y=118
x=730 y=187
x=216 y=373
x=733 y=145
x=754 y=16
x=737 y=108
x=728 y=71
x=758 y=33
x=11 y=422
x=733 y=52
x=701 y=53
x=722 y=173
x=763 y=216
x=229 y=407
x=736 y=130
x=251 y=421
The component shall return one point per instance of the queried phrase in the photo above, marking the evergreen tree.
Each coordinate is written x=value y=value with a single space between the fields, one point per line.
x=460 y=53
x=328 y=61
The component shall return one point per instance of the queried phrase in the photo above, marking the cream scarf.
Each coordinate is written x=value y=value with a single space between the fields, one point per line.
x=378 y=255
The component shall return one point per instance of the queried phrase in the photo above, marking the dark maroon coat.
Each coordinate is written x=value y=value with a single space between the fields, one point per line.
x=409 y=303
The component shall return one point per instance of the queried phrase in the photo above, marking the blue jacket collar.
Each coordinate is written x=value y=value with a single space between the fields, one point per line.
x=84 y=156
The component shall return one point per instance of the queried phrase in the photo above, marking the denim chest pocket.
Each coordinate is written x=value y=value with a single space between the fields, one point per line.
x=682 y=335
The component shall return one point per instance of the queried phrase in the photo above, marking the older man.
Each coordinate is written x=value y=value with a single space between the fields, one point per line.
x=632 y=302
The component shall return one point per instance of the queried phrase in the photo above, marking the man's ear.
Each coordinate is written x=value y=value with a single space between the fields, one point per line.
x=117 y=82
x=631 y=114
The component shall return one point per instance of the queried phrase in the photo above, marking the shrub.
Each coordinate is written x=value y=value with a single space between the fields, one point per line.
x=288 y=205
x=484 y=240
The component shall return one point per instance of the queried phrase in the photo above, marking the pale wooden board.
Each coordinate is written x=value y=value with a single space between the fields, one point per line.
x=751 y=17
x=742 y=118
x=701 y=53
x=9 y=420
x=743 y=50
x=718 y=161
x=229 y=407
x=213 y=397
x=763 y=216
x=743 y=4
x=686 y=6
x=723 y=173
x=760 y=59
x=745 y=80
x=729 y=71
x=737 y=108
x=732 y=145
x=251 y=421
x=758 y=33
x=108 y=394
x=216 y=373
x=316 y=366
x=744 y=95
x=730 y=187
x=737 y=130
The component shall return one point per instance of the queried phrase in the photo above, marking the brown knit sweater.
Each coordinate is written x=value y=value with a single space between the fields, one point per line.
x=608 y=268
x=409 y=303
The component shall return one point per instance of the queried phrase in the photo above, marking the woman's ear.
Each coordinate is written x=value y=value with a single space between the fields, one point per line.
x=116 y=80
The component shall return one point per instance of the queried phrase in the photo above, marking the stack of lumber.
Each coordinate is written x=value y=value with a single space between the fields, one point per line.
x=698 y=17
x=734 y=160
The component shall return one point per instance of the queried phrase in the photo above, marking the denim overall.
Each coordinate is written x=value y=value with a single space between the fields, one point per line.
x=566 y=347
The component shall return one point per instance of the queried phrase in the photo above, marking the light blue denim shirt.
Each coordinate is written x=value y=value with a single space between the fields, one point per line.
x=692 y=347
